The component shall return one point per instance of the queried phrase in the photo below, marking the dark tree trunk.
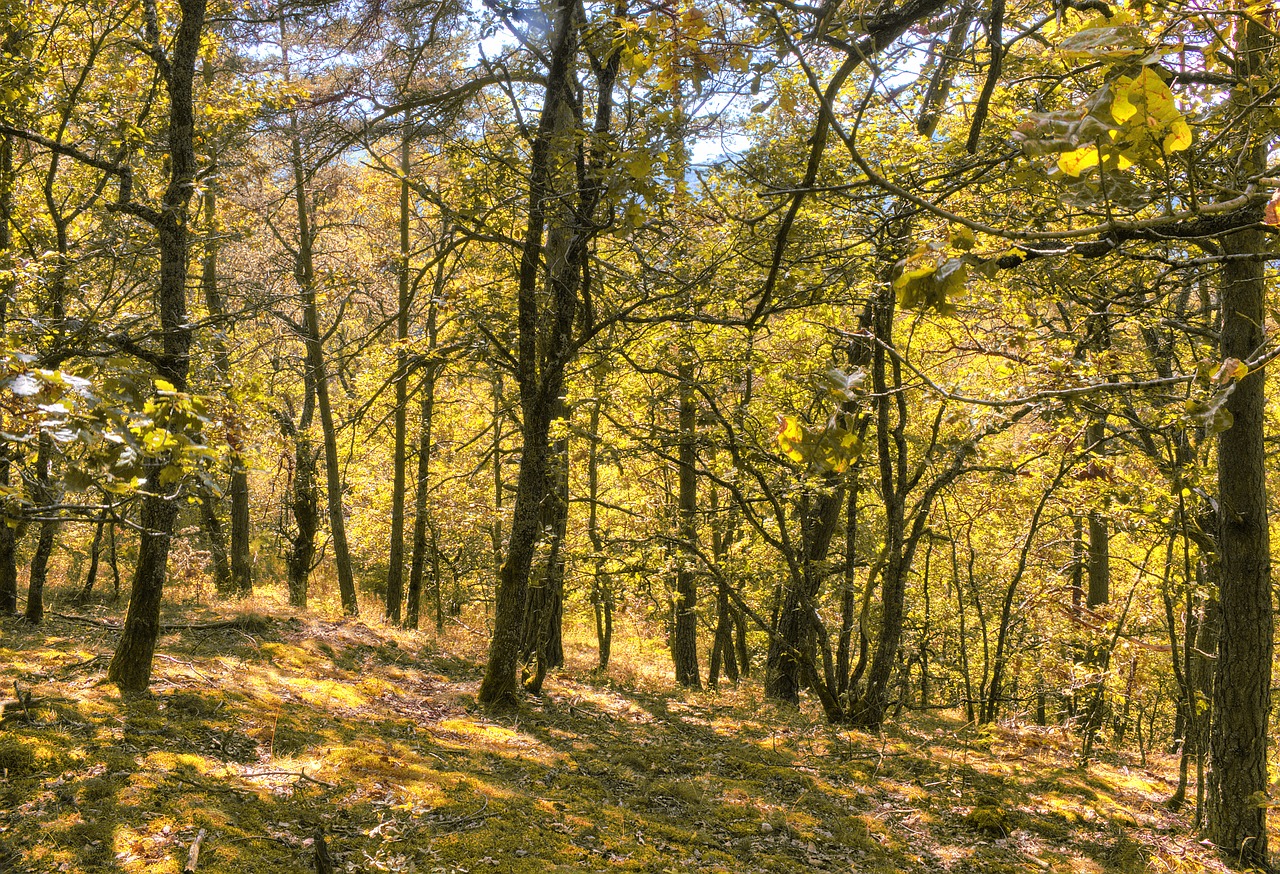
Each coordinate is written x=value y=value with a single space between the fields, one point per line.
x=130 y=668
x=46 y=496
x=543 y=644
x=684 y=636
x=304 y=502
x=232 y=564
x=395 y=566
x=216 y=540
x=848 y=591
x=545 y=335
x=1242 y=684
x=1238 y=779
x=601 y=588
x=8 y=533
x=869 y=709
x=422 y=545
x=305 y=276
x=784 y=670
x=241 y=528
x=95 y=554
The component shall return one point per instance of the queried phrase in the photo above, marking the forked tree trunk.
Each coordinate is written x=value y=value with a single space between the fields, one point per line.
x=545 y=336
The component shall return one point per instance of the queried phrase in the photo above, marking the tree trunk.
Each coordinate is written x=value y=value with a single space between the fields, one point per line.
x=783 y=667
x=233 y=570
x=395 y=566
x=1242 y=680
x=541 y=365
x=684 y=637
x=46 y=497
x=546 y=326
x=543 y=640
x=305 y=502
x=305 y=276
x=601 y=589
x=1242 y=684
x=130 y=667
x=216 y=539
x=95 y=555
x=421 y=499
x=8 y=531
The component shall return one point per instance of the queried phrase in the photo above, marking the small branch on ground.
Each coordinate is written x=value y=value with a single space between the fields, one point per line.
x=193 y=856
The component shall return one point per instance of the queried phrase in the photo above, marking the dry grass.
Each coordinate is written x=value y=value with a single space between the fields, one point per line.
x=263 y=734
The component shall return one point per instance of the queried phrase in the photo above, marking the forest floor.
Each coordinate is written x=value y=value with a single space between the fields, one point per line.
x=281 y=727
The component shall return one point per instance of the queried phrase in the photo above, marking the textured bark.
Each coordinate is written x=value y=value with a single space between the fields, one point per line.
x=1242 y=684
x=304 y=501
x=546 y=327
x=130 y=668
x=783 y=669
x=1242 y=680
x=684 y=635
x=541 y=367
x=543 y=645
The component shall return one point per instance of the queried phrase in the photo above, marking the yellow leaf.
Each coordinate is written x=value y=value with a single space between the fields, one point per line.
x=1076 y=162
x=1122 y=109
x=1179 y=137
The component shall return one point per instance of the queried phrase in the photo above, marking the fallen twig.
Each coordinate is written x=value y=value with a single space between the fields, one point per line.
x=301 y=775
x=193 y=856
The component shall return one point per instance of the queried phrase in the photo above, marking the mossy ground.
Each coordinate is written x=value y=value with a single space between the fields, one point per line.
x=264 y=736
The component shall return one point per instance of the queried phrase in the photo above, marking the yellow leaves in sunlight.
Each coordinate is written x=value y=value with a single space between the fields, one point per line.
x=1144 y=124
x=1148 y=97
x=1075 y=162
x=790 y=436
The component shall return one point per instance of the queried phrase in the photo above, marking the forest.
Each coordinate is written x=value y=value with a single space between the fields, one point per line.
x=819 y=436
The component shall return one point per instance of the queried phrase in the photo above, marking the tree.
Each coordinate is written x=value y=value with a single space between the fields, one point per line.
x=131 y=665
x=545 y=339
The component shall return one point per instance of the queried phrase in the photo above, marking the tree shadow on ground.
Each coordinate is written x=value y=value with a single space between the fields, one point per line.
x=265 y=734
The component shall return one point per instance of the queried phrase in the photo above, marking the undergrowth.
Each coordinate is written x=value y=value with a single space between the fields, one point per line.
x=283 y=727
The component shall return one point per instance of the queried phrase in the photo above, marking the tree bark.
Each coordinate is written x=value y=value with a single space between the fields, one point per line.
x=422 y=545
x=130 y=667
x=395 y=564
x=601 y=588
x=545 y=327
x=46 y=496
x=684 y=636
x=1238 y=781
x=1242 y=684
x=305 y=276
x=304 y=502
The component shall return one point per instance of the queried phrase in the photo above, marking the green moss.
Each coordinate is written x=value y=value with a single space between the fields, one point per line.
x=17 y=758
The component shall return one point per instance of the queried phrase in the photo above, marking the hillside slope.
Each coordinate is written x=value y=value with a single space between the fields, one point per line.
x=275 y=729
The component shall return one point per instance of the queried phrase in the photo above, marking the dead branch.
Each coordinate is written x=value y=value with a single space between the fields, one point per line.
x=193 y=856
